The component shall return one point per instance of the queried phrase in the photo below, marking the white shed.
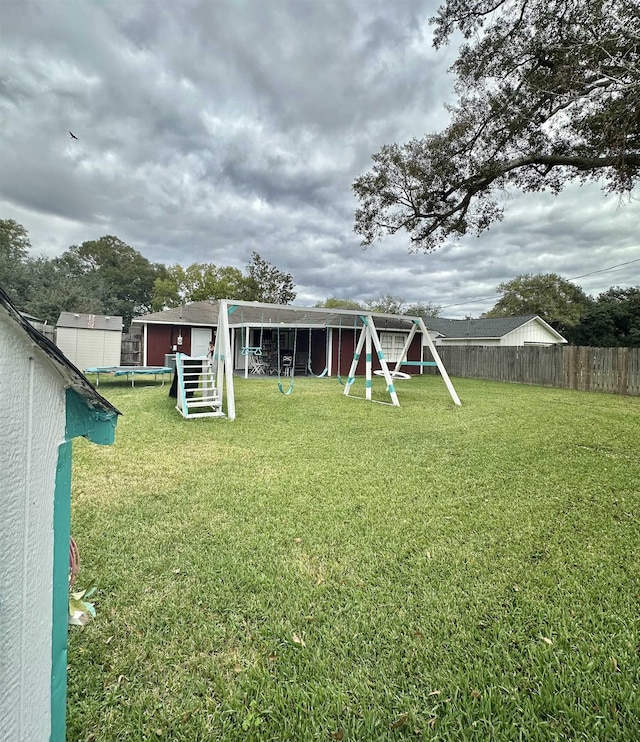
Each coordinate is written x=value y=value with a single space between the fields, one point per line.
x=89 y=340
x=46 y=402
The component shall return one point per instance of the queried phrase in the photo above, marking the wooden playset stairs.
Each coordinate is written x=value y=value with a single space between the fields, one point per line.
x=198 y=394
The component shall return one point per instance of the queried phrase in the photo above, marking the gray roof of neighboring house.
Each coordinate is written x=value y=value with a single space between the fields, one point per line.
x=72 y=376
x=30 y=317
x=258 y=314
x=89 y=321
x=491 y=327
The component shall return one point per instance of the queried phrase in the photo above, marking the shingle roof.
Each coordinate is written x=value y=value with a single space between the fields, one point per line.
x=89 y=321
x=197 y=313
x=72 y=376
x=491 y=327
x=256 y=314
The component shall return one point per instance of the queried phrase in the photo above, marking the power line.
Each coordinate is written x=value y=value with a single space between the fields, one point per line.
x=471 y=301
x=573 y=278
x=604 y=270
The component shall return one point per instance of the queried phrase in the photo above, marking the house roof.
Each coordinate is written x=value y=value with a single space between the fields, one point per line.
x=197 y=313
x=490 y=327
x=30 y=317
x=257 y=314
x=89 y=321
x=72 y=376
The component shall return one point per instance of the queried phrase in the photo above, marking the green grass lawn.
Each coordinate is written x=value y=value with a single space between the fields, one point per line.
x=326 y=568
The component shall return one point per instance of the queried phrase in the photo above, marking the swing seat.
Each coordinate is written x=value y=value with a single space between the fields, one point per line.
x=393 y=374
x=282 y=389
x=318 y=376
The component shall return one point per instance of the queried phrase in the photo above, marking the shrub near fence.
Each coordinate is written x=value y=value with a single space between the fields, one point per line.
x=614 y=370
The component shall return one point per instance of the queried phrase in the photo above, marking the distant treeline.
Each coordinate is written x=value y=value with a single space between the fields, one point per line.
x=107 y=276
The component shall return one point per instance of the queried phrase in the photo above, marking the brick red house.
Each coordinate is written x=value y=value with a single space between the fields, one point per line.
x=319 y=338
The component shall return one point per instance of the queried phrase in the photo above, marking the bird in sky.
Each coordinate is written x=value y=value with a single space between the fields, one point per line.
x=73 y=136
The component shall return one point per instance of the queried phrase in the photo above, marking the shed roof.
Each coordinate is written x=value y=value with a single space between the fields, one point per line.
x=258 y=314
x=89 y=321
x=490 y=327
x=72 y=376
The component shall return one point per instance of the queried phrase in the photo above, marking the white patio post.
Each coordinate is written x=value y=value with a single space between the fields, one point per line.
x=227 y=358
x=246 y=358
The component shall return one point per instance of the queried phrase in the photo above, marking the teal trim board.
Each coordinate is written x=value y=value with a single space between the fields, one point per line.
x=418 y=363
x=98 y=425
x=60 y=609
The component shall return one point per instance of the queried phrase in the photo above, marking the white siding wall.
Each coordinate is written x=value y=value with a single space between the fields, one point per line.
x=474 y=341
x=32 y=400
x=532 y=332
x=86 y=348
x=434 y=337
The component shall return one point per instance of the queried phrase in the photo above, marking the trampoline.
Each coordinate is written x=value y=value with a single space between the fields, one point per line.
x=129 y=371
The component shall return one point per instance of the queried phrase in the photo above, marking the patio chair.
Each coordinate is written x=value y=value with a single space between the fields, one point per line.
x=287 y=364
x=258 y=366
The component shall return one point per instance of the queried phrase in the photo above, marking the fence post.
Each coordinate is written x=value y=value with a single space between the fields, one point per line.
x=623 y=370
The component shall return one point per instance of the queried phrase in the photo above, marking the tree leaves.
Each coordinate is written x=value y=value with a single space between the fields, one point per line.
x=548 y=92
x=107 y=276
x=558 y=301
x=267 y=283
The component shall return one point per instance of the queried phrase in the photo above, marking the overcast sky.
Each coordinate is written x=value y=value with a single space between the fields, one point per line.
x=209 y=129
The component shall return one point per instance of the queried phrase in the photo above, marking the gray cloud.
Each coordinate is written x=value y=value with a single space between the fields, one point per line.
x=211 y=129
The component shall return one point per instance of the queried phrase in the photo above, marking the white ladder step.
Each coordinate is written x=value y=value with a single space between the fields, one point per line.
x=204 y=403
x=217 y=413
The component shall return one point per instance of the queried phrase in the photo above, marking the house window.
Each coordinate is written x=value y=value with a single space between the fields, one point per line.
x=392 y=344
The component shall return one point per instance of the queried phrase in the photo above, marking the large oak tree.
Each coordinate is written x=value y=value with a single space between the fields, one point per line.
x=126 y=276
x=548 y=92
x=558 y=301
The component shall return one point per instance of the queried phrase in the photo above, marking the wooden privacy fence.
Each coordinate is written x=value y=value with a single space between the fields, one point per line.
x=49 y=331
x=615 y=370
x=131 y=349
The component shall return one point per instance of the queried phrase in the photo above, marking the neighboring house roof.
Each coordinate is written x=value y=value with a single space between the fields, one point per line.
x=256 y=314
x=72 y=376
x=30 y=317
x=485 y=328
x=89 y=321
